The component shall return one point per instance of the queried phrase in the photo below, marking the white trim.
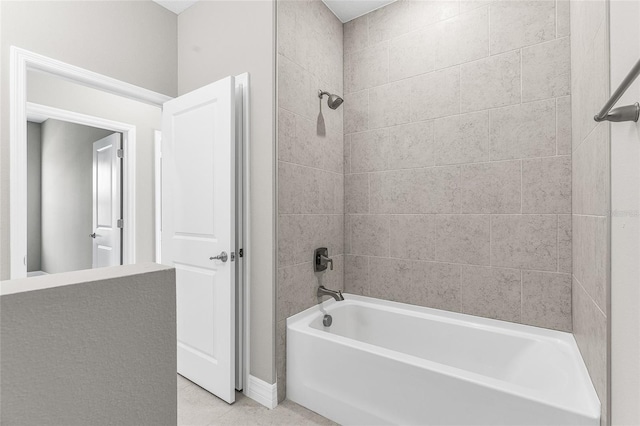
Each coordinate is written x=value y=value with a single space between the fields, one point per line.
x=17 y=167
x=34 y=117
x=37 y=62
x=244 y=79
x=20 y=62
x=129 y=168
x=239 y=200
x=262 y=392
x=157 y=144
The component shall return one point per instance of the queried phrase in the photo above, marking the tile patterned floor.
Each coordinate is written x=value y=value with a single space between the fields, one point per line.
x=197 y=407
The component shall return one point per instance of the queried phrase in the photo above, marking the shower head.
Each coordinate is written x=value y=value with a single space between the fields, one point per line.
x=334 y=101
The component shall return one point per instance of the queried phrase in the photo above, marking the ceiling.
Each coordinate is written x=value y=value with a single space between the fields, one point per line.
x=346 y=10
x=176 y=6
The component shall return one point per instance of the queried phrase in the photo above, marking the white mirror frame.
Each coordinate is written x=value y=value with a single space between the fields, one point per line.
x=21 y=62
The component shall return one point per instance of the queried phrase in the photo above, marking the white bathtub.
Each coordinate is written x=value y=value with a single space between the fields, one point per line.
x=389 y=363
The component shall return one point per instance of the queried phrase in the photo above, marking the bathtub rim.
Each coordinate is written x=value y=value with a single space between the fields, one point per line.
x=301 y=322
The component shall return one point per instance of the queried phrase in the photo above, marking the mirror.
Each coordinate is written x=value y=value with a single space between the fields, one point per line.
x=69 y=191
x=85 y=206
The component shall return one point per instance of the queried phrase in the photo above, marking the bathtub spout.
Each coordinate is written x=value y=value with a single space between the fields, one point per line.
x=322 y=291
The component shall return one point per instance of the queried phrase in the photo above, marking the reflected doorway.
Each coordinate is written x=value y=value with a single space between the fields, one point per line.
x=74 y=196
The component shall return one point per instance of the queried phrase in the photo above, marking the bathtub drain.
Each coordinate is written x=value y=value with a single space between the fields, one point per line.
x=327 y=320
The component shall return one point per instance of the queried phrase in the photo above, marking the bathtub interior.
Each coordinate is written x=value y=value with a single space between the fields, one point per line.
x=536 y=363
x=442 y=342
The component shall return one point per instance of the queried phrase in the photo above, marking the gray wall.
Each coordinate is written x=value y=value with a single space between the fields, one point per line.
x=67 y=195
x=134 y=41
x=147 y=55
x=89 y=347
x=221 y=38
x=34 y=191
x=310 y=166
x=591 y=190
x=458 y=158
x=625 y=223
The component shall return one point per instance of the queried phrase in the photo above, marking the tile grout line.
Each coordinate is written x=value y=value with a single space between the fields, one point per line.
x=389 y=236
x=459 y=90
x=521 y=84
x=516 y=214
x=489 y=28
x=490 y=240
x=591 y=299
x=368 y=193
x=558 y=245
x=521 y=294
x=521 y=186
x=556 y=19
x=556 y=118
x=441 y=166
x=461 y=288
x=472 y=265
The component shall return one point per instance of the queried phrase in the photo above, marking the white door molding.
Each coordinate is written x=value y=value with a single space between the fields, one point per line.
x=157 y=187
x=22 y=61
x=243 y=84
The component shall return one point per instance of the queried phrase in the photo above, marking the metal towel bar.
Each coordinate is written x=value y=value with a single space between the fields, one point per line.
x=624 y=113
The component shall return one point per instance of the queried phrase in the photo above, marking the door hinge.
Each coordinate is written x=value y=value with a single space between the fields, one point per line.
x=120 y=153
x=241 y=253
x=120 y=223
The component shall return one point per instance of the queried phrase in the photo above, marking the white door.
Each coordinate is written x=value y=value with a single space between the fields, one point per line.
x=107 y=202
x=198 y=231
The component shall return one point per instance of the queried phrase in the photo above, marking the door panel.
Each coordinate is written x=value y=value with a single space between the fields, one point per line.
x=195 y=159
x=107 y=202
x=198 y=222
x=197 y=317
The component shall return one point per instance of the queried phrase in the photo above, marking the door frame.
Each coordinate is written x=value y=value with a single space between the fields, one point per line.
x=157 y=188
x=243 y=237
x=22 y=61
x=38 y=113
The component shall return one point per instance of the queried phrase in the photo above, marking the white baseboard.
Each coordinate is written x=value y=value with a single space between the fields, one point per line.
x=262 y=392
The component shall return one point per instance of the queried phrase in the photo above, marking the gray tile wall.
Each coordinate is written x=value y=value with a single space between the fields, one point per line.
x=457 y=168
x=310 y=162
x=591 y=190
x=452 y=188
